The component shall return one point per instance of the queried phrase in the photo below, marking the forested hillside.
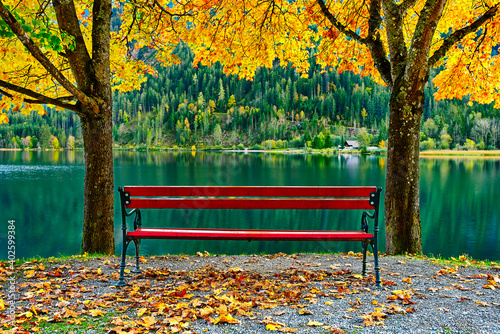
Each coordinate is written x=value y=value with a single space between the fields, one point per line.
x=185 y=106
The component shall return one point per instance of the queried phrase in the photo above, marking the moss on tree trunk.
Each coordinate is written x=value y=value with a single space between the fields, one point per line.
x=98 y=231
x=402 y=202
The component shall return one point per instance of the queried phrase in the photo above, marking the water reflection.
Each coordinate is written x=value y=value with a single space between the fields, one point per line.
x=42 y=157
x=459 y=207
x=43 y=192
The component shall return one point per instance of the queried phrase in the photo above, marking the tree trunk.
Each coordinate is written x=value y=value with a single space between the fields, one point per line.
x=402 y=207
x=98 y=227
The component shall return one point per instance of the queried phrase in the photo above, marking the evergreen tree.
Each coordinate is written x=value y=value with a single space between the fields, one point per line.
x=45 y=137
x=217 y=134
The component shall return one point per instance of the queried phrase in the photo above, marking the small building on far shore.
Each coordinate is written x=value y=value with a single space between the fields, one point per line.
x=351 y=144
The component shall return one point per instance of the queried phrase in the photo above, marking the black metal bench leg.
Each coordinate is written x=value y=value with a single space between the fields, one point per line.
x=365 y=248
x=378 y=282
x=121 y=280
x=137 y=268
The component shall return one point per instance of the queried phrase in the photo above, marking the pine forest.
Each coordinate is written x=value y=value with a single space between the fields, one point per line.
x=184 y=106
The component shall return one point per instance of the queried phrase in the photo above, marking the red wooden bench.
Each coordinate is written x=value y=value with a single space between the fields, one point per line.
x=133 y=199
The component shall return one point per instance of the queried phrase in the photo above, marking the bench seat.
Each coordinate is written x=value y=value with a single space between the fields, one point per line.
x=135 y=199
x=234 y=234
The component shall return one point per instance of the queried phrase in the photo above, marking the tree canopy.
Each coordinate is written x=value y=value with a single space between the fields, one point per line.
x=36 y=70
x=461 y=37
x=395 y=42
x=244 y=35
x=64 y=53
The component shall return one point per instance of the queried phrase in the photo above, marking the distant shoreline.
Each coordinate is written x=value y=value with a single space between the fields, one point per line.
x=476 y=153
x=431 y=153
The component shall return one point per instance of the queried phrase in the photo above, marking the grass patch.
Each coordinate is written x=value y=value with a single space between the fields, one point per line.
x=463 y=260
x=53 y=259
x=484 y=153
x=96 y=324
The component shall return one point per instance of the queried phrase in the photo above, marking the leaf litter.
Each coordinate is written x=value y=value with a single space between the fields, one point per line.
x=279 y=292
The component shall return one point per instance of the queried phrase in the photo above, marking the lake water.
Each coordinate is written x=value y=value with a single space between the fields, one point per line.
x=43 y=193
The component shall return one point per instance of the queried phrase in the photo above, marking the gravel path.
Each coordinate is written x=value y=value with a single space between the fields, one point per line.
x=309 y=293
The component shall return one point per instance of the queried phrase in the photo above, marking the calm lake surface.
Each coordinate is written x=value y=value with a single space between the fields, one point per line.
x=43 y=193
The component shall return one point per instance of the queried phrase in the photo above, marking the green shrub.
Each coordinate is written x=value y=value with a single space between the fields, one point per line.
x=295 y=142
x=428 y=144
x=269 y=144
x=469 y=144
x=319 y=141
x=445 y=141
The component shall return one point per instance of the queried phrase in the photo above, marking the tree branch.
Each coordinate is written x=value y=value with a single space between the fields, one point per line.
x=163 y=9
x=393 y=17
x=134 y=17
x=461 y=33
x=78 y=57
x=405 y=5
x=35 y=51
x=99 y=74
x=425 y=30
x=374 y=43
x=38 y=98
x=339 y=26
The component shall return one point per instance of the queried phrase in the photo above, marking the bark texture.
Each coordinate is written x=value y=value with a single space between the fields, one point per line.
x=92 y=75
x=90 y=98
x=97 y=128
x=402 y=201
x=98 y=226
x=404 y=67
x=409 y=73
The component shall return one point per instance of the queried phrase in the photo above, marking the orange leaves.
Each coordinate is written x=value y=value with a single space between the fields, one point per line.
x=224 y=32
x=481 y=303
x=446 y=271
x=374 y=318
x=228 y=318
x=162 y=300
x=493 y=282
x=273 y=325
x=171 y=301
x=402 y=295
x=141 y=311
x=294 y=31
x=3 y=118
x=29 y=273
x=471 y=66
x=67 y=313
x=304 y=311
x=407 y=280
x=181 y=294
x=377 y=317
x=147 y=322
x=96 y=313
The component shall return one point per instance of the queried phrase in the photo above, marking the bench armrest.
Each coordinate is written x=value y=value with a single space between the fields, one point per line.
x=374 y=201
x=124 y=201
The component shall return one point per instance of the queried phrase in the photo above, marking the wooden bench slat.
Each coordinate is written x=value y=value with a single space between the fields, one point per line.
x=135 y=198
x=249 y=203
x=236 y=234
x=248 y=191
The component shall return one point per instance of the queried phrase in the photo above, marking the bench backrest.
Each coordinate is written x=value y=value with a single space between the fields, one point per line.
x=249 y=197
